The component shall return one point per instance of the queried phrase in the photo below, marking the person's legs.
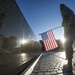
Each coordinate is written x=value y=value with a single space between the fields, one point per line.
x=69 y=53
x=68 y=48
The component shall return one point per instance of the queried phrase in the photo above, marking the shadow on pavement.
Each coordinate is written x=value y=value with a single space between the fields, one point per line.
x=68 y=73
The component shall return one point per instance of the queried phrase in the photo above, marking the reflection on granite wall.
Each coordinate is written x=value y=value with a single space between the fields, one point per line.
x=13 y=26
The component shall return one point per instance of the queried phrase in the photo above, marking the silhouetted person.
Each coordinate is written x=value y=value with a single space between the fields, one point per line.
x=69 y=30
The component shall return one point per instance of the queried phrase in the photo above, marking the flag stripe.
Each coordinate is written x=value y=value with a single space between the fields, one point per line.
x=49 y=43
x=56 y=45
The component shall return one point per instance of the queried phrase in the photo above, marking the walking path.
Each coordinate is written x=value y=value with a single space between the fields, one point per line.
x=51 y=63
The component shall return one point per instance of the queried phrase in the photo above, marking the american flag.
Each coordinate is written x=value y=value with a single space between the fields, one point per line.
x=49 y=40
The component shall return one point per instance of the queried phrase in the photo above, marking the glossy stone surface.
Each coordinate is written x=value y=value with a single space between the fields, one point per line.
x=12 y=64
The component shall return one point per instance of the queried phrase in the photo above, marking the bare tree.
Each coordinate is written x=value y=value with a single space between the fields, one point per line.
x=9 y=43
x=2 y=15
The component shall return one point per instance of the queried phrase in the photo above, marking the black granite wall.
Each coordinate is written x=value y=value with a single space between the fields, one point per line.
x=13 y=28
x=14 y=23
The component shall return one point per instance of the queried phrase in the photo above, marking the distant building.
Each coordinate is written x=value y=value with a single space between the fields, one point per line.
x=14 y=23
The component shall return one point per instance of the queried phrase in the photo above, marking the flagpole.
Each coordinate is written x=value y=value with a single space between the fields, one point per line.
x=52 y=29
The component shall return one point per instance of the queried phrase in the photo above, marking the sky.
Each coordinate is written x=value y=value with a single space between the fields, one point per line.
x=44 y=15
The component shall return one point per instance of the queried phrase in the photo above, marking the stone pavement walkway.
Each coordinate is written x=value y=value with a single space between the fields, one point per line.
x=51 y=63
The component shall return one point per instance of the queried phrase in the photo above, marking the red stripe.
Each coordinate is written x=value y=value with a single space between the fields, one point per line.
x=50 y=43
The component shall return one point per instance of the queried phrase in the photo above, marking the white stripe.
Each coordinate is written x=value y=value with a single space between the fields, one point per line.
x=29 y=71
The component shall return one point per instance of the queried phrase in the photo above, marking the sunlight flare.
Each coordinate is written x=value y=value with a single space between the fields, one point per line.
x=23 y=41
x=63 y=40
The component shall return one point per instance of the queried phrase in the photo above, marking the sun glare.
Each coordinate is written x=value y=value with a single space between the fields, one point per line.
x=63 y=40
x=23 y=41
x=23 y=54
